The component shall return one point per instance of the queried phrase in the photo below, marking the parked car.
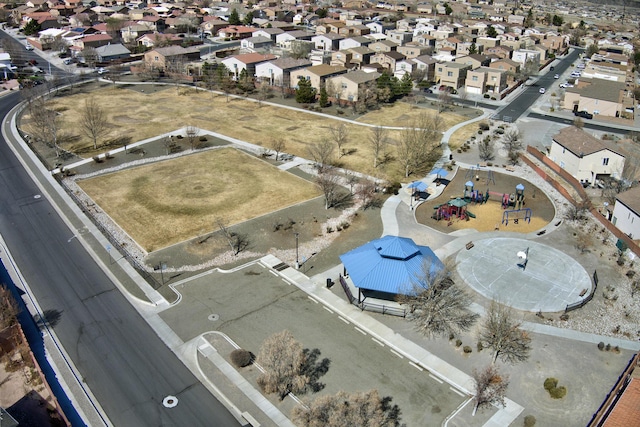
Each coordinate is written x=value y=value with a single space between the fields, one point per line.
x=556 y=76
x=427 y=90
x=102 y=70
x=584 y=114
x=28 y=47
x=67 y=61
x=542 y=90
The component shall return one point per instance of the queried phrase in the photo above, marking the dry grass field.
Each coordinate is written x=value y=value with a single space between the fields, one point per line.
x=139 y=115
x=459 y=137
x=173 y=200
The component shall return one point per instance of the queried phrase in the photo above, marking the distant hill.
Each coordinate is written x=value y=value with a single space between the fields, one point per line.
x=629 y=3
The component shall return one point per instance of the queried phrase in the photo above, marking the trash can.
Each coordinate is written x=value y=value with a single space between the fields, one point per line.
x=329 y=282
x=450 y=156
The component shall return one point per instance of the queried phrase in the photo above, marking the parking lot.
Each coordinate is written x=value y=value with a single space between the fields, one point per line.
x=253 y=303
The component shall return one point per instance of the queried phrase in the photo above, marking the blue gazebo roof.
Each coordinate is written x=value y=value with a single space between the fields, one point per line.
x=390 y=264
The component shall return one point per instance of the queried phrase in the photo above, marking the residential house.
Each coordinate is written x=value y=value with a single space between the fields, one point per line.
x=347 y=86
x=475 y=60
x=352 y=42
x=500 y=51
x=93 y=40
x=245 y=62
x=605 y=71
x=256 y=42
x=523 y=56
x=486 y=42
x=413 y=50
x=596 y=96
x=426 y=40
x=317 y=75
x=380 y=27
x=162 y=57
x=427 y=65
x=284 y=40
x=404 y=66
x=158 y=40
x=400 y=37
x=327 y=42
x=626 y=213
x=236 y=32
x=451 y=74
x=388 y=59
x=269 y=33
x=511 y=68
x=383 y=46
x=112 y=52
x=277 y=72
x=485 y=80
x=133 y=31
x=449 y=44
x=554 y=43
x=358 y=30
x=360 y=56
x=212 y=24
x=342 y=58
x=584 y=156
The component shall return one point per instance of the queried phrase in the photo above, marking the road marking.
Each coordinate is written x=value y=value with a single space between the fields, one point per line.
x=273 y=272
x=360 y=330
x=436 y=378
x=344 y=320
x=456 y=391
x=327 y=309
x=396 y=353
x=377 y=342
x=312 y=299
x=416 y=366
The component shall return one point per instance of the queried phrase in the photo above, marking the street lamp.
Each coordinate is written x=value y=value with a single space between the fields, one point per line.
x=297 y=263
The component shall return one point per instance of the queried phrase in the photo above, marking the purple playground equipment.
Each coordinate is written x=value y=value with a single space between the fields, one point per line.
x=517 y=201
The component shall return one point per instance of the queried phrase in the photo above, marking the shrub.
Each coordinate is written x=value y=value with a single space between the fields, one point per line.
x=467 y=349
x=241 y=358
x=203 y=138
x=529 y=421
x=479 y=346
x=483 y=126
x=608 y=347
x=451 y=336
x=550 y=383
x=329 y=229
x=486 y=95
x=458 y=342
x=558 y=392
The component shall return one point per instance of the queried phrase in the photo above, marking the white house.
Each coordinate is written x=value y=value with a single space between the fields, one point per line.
x=247 y=62
x=278 y=71
x=626 y=213
x=523 y=56
x=586 y=157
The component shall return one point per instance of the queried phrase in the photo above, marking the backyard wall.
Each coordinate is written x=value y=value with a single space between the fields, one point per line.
x=633 y=247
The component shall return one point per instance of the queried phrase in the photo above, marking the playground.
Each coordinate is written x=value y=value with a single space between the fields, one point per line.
x=487 y=201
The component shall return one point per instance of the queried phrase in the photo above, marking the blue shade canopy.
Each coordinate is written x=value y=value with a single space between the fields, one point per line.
x=418 y=185
x=390 y=264
x=519 y=187
x=439 y=172
x=468 y=184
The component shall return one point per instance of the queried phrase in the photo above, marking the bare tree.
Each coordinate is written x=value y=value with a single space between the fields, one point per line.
x=444 y=100
x=236 y=241
x=437 y=305
x=192 y=134
x=502 y=333
x=283 y=360
x=348 y=409
x=578 y=122
x=9 y=308
x=278 y=145
x=329 y=182
x=322 y=154
x=44 y=123
x=584 y=240
x=418 y=143
x=378 y=139
x=90 y=56
x=486 y=149
x=93 y=121
x=340 y=135
x=366 y=192
x=578 y=211
x=512 y=141
x=490 y=387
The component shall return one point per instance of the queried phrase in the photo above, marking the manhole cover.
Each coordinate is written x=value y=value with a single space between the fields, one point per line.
x=170 y=402
x=213 y=317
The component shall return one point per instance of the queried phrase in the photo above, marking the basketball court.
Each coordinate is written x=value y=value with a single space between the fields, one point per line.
x=523 y=274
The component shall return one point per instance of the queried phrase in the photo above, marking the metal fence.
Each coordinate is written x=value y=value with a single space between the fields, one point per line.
x=588 y=298
x=346 y=289
x=384 y=309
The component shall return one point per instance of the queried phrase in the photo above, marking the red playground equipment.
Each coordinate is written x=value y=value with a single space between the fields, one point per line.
x=456 y=208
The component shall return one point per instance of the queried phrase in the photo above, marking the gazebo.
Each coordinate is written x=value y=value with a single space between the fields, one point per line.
x=386 y=267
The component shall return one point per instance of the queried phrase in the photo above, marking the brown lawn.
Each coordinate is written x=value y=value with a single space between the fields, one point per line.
x=462 y=135
x=143 y=115
x=173 y=200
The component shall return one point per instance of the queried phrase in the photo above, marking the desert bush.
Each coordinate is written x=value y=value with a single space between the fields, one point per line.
x=600 y=346
x=558 y=392
x=451 y=336
x=479 y=346
x=529 y=421
x=241 y=358
x=467 y=349
x=608 y=347
x=203 y=138
x=458 y=342
x=550 y=383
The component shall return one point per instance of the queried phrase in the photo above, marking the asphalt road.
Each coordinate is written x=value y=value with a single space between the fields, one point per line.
x=126 y=365
x=530 y=93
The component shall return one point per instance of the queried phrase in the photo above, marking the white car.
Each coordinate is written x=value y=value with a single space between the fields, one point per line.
x=102 y=70
x=542 y=90
x=28 y=47
x=556 y=76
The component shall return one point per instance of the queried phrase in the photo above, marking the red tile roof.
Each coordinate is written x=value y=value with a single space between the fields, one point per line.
x=626 y=413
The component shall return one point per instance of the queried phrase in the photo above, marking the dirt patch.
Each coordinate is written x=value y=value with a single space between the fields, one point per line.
x=489 y=215
x=126 y=119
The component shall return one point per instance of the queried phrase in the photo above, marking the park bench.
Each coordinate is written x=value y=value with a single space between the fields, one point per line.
x=469 y=245
x=583 y=292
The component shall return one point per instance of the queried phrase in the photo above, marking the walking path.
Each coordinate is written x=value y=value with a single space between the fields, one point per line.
x=397 y=218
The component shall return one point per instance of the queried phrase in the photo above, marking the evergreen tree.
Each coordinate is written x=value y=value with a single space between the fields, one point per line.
x=447 y=9
x=305 y=93
x=324 y=97
x=405 y=86
x=234 y=18
x=473 y=49
x=491 y=32
x=31 y=28
x=248 y=19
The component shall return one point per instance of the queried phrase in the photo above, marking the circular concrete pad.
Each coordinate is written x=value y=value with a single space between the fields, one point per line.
x=550 y=281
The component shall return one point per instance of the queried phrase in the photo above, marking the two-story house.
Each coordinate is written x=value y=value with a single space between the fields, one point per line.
x=277 y=72
x=317 y=75
x=348 y=86
x=451 y=74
